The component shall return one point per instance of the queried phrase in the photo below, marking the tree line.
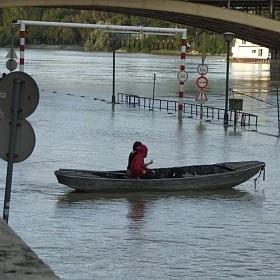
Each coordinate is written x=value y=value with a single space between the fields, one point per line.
x=201 y=41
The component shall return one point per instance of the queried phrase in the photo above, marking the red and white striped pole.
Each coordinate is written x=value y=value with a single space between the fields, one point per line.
x=21 y=46
x=182 y=68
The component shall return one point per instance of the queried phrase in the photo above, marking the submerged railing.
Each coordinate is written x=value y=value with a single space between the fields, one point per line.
x=245 y=119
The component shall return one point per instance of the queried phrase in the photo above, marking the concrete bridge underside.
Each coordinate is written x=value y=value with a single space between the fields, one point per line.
x=249 y=27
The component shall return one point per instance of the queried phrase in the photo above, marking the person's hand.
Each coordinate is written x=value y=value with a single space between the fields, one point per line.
x=151 y=162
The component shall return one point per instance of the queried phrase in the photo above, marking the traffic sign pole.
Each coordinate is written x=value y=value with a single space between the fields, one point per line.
x=12 y=144
x=182 y=68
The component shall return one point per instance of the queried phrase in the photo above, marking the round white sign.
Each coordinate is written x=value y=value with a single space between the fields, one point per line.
x=202 y=69
x=182 y=76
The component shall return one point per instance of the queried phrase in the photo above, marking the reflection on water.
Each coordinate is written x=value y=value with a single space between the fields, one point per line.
x=74 y=197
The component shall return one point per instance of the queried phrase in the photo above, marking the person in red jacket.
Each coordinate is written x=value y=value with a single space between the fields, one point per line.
x=136 y=147
x=138 y=166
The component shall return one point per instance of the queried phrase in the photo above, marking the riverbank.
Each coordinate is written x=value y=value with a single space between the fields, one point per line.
x=18 y=261
x=122 y=50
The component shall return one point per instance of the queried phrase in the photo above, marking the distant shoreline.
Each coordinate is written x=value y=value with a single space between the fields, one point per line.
x=82 y=49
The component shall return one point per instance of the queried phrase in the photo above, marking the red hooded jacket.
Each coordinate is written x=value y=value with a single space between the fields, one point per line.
x=138 y=167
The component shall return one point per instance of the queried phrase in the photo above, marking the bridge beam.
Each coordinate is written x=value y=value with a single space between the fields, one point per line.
x=249 y=27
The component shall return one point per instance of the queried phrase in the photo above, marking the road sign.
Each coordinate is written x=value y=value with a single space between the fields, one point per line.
x=202 y=69
x=182 y=76
x=11 y=64
x=201 y=96
x=11 y=54
x=235 y=104
x=202 y=82
x=25 y=141
x=29 y=94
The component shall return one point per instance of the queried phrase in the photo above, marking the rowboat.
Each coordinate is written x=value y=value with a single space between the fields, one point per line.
x=194 y=177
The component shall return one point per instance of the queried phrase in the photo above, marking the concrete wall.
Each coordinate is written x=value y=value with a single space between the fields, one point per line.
x=18 y=261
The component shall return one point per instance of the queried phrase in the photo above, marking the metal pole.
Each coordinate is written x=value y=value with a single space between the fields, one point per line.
x=114 y=71
x=12 y=42
x=278 y=111
x=182 y=68
x=154 y=85
x=12 y=146
x=163 y=30
x=235 y=118
x=201 y=111
x=271 y=9
x=227 y=79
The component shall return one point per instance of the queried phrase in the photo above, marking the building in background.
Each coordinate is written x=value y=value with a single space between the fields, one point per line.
x=244 y=51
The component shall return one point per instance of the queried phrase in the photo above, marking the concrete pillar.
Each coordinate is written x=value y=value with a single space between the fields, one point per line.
x=228 y=4
x=271 y=9
x=275 y=65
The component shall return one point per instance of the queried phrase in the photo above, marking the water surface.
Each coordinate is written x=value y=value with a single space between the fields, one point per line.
x=230 y=234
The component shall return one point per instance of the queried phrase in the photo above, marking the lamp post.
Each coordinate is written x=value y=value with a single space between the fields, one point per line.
x=114 y=69
x=228 y=36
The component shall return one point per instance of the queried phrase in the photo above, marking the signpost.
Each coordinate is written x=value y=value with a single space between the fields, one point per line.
x=202 y=83
x=11 y=53
x=29 y=94
x=235 y=105
x=202 y=69
x=24 y=144
x=182 y=76
x=201 y=96
x=19 y=97
x=11 y=64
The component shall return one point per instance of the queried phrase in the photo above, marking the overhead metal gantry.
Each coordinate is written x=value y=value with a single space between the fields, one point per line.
x=114 y=28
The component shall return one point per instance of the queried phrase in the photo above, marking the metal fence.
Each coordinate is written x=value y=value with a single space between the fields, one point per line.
x=243 y=118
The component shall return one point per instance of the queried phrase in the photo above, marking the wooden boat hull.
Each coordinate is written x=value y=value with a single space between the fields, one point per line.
x=223 y=175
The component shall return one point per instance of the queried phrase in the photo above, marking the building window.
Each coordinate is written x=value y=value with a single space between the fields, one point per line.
x=254 y=51
x=260 y=52
x=243 y=42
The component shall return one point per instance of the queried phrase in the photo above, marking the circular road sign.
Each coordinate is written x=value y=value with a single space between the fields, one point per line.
x=202 y=69
x=29 y=94
x=11 y=64
x=202 y=82
x=25 y=140
x=182 y=76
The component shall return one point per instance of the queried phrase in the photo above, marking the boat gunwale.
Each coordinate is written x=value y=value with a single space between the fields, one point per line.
x=260 y=165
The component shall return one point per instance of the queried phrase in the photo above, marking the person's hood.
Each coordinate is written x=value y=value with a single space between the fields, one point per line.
x=143 y=150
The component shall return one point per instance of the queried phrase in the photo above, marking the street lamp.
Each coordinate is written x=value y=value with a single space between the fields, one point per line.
x=228 y=36
x=114 y=69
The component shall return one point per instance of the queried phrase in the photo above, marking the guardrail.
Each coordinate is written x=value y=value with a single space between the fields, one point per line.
x=245 y=119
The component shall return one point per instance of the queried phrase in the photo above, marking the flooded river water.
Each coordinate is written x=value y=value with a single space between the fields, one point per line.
x=230 y=234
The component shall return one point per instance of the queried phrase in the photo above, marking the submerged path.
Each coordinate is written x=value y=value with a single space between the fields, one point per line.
x=18 y=261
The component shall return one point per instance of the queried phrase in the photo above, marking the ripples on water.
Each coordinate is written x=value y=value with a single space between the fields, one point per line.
x=192 y=235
